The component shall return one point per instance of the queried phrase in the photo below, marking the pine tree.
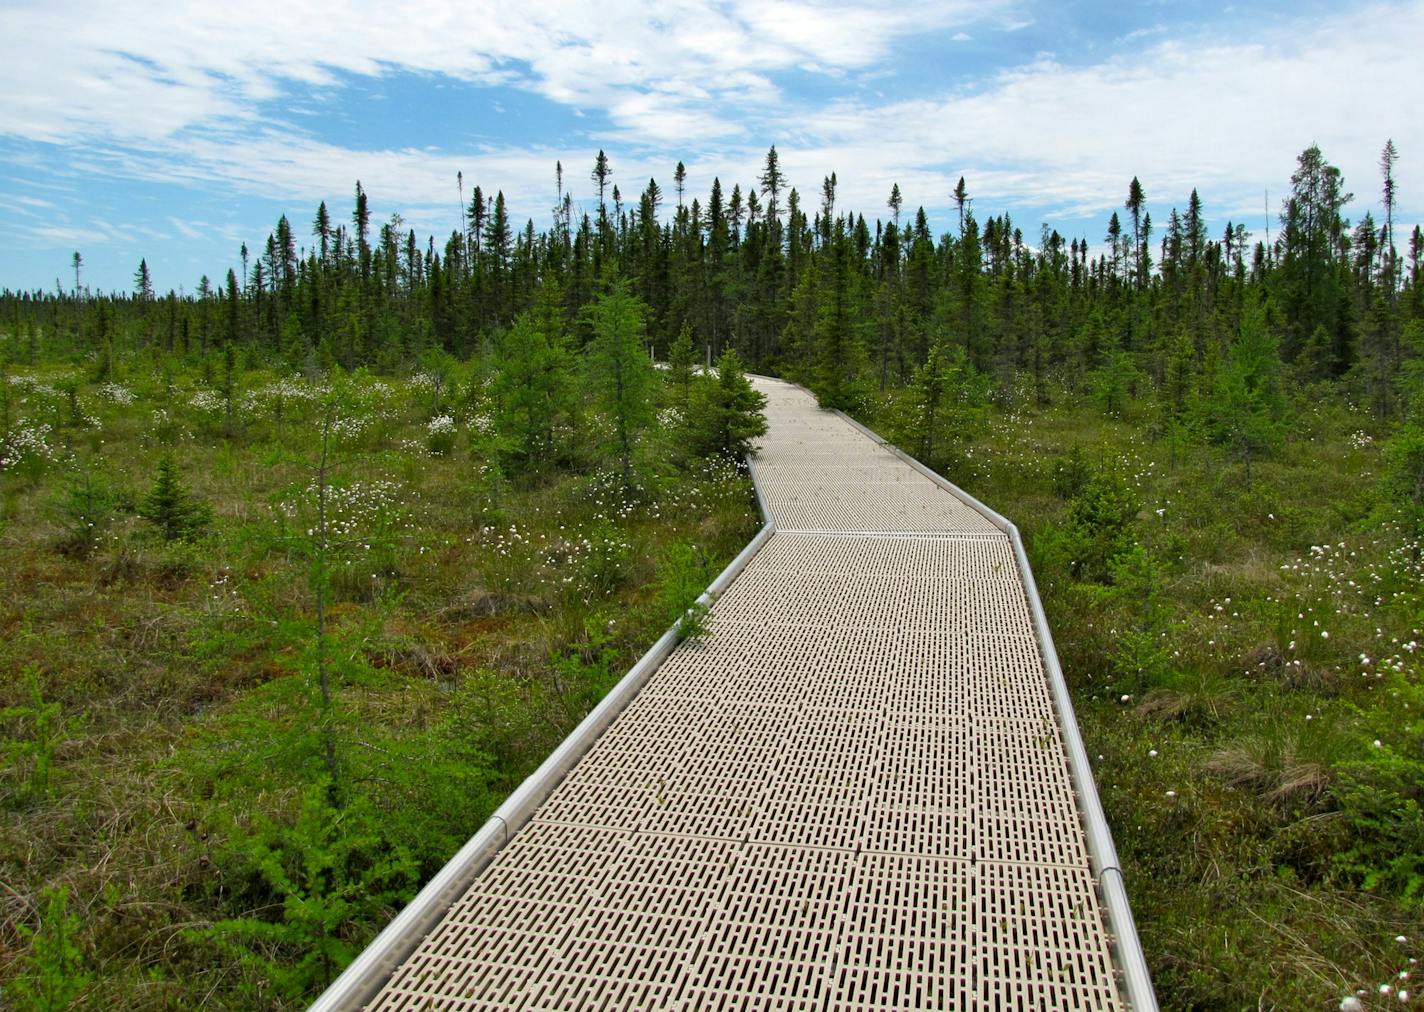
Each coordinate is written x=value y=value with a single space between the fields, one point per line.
x=361 y=215
x=1309 y=283
x=170 y=507
x=531 y=387
x=143 y=283
x=321 y=228
x=495 y=258
x=729 y=415
x=961 y=198
x=931 y=387
x=1136 y=201
x=840 y=351
x=1247 y=408
x=621 y=372
x=85 y=505
x=1114 y=241
x=1389 y=266
x=773 y=181
x=682 y=361
x=600 y=175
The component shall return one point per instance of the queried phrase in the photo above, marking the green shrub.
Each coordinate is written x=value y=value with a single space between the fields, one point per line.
x=326 y=878
x=30 y=749
x=52 y=974
x=682 y=579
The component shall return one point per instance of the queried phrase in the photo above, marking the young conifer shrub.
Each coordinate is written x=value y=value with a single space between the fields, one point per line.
x=52 y=975
x=172 y=508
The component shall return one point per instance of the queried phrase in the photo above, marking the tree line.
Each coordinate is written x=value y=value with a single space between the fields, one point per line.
x=816 y=292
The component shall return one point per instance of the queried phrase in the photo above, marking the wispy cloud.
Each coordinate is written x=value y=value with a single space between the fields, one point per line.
x=80 y=71
x=245 y=105
x=1226 y=117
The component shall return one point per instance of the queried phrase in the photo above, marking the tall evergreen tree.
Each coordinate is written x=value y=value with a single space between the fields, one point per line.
x=143 y=283
x=773 y=181
x=1310 y=290
x=620 y=369
x=839 y=329
x=1135 y=203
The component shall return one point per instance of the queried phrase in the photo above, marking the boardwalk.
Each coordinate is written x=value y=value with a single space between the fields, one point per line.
x=853 y=794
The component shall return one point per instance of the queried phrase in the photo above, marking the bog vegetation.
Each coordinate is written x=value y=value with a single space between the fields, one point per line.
x=306 y=571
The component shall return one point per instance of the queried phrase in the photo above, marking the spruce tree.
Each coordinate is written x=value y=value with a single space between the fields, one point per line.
x=1248 y=407
x=1136 y=200
x=931 y=386
x=839 y=326
x=169 y=506
x=773 y=181
x=530 y=388
x=1309 y=279
x=682 y=361
x=143 y=283
x=621 y=372
x=729 y=415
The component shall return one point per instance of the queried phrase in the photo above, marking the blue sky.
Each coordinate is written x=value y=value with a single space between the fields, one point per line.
x=176 y=131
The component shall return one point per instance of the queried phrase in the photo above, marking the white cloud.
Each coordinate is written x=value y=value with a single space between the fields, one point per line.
x=185 y=94
x=125 y=72
x=1227 y=117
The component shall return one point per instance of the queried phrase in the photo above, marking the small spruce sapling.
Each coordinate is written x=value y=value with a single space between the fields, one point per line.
x=331 y=869
x=682 y=580
x=52 y=975
x=41 y=728
x=85 y=505
x=169 y=506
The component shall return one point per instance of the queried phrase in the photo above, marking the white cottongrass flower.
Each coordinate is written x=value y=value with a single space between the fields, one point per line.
x=206 y=400
x=26 y=440
x=116 y=393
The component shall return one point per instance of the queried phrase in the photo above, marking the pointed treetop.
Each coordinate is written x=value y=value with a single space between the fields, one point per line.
x=1135 y=196
x=773 y=181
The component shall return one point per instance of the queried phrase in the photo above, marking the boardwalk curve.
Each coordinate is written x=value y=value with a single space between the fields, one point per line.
x=859 y=791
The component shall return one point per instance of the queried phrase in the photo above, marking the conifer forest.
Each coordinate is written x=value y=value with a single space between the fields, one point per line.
x=306 y=569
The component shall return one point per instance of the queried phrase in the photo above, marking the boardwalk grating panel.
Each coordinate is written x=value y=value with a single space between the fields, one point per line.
x=852 y=794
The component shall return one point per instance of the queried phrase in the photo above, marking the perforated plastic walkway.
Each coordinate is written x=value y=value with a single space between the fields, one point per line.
x=852 y=795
